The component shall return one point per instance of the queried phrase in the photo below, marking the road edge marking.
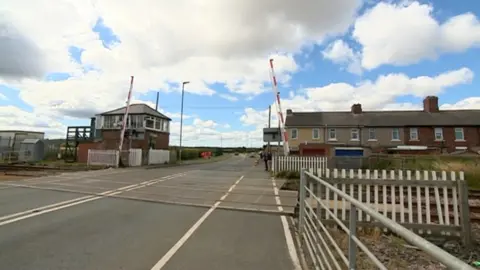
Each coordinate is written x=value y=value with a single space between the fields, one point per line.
x=292 y=250
x=173 y=250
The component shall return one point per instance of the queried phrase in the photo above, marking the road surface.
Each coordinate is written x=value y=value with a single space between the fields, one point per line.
x=169 y=218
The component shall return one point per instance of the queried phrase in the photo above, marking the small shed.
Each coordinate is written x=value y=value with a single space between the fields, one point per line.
x=31 y=150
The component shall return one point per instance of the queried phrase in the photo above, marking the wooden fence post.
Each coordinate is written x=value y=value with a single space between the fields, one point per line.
x=464 y=211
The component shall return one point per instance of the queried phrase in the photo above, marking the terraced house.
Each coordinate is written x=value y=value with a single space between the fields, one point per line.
x=359 y=133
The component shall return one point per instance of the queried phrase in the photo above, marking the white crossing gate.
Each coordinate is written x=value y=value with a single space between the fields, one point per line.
x=296 y=163
x=157 y=156
x=102 y=157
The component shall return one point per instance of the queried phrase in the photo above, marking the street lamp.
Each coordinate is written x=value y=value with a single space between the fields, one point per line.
x=181 y=119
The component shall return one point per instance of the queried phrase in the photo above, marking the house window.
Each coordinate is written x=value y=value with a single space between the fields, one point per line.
x=294 y=133
x=332 y=134
x=316 y=133
x=395 y=134
x=438 y=134
x=158 y=123
x=414 y=134
x=372 y=135
x=108 y=121
x=166 y=126
x=459 y=136
x=354 y=134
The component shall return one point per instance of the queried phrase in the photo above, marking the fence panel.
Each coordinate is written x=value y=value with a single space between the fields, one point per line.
x=135 y=157
x=296 y=163
x=344 y=199
x=158 y=156
x=103 y=157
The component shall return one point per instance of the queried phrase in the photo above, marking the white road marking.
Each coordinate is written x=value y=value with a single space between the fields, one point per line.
x=64 y=204
x=161 y=263
x=286 y=230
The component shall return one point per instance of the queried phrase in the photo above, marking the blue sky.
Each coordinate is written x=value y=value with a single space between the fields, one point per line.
x=314 y=71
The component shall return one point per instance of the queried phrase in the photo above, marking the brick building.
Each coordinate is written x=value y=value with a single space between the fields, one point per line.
x=359 y=133
x=147 y=128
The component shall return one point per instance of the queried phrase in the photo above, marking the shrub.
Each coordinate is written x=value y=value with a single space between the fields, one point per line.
x=188 y=154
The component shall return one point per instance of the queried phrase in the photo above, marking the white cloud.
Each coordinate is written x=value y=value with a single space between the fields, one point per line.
x=340 y=52
x=472 y=103
x=3 y=97
x=229 y=97
x=13 y=118
x=405 y=33
x=373 y=95
x=159 y=49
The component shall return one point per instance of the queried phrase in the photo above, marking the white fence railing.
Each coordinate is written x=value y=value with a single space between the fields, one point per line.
x=103 y=157
x=296 y=163
x=399 y=201
x=158 y=156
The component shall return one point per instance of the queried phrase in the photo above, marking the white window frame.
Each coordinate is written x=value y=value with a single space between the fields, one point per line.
x=462 y=131
x=370 y=132
x=412 y=132
x=296 y=133
x=397 y=131
x=334 y=138
x=318 y=134
x=438 y=131
x=355 y=131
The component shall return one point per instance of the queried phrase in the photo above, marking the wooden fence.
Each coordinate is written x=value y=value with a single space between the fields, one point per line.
x=427 y=202
x=296 y=163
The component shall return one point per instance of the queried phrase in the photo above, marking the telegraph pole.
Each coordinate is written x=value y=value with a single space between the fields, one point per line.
x=269 y=124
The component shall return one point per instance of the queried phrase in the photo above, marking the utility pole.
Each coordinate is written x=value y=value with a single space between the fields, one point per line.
x=269 y=120
x=156 y=103
x=181 y=120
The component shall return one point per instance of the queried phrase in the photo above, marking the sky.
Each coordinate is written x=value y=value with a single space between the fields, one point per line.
x=62 y=64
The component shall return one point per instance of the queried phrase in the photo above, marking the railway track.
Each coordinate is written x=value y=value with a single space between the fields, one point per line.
x=10 y=168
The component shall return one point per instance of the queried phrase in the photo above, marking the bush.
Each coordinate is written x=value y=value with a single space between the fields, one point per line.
x=218 y=152
x=288 y=175
x=189 y=154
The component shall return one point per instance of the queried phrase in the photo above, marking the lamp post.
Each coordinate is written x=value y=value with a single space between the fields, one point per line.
x=181 y=120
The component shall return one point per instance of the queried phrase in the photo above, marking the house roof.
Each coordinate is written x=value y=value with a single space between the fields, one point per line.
x=137 y=109
x=384 y=118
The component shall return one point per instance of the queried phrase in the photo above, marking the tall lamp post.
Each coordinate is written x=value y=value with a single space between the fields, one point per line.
x=181 y=119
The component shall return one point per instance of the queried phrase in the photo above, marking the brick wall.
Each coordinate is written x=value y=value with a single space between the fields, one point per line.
x=427 y=137
x=111 y=139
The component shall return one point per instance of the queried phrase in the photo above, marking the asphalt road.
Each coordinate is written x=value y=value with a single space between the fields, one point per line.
x=170 y=218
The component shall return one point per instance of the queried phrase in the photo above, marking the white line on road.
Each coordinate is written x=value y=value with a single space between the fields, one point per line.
x=161 y=263
x=286 y=229
x=64 y=204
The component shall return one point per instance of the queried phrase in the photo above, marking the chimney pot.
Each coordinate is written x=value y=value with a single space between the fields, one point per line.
x=357 y=108
x=430 y=104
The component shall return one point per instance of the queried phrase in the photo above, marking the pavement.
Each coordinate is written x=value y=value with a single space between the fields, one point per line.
x=223 y=215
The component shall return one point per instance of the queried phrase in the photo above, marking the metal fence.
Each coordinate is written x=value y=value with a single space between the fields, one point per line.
x=319 y=217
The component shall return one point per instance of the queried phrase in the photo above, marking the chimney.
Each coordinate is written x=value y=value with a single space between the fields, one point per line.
x=430 y=104
x=357 y=108
x=289 y=112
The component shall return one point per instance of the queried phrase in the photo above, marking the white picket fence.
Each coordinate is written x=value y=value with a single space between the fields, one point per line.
x=296 y=163
x=158 y=156
x=133 y=157
x=427 y=202
x=103 y=157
